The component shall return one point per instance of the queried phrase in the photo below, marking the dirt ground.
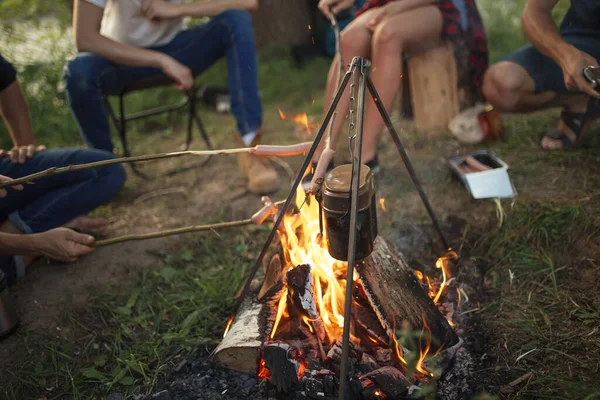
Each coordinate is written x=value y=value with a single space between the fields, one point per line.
x=216 y=191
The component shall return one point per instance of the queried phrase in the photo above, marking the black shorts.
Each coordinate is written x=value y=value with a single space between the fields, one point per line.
x=7 y=74
x=548 y=76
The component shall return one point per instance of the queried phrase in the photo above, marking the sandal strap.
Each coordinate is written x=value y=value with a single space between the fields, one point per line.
x=564 y=139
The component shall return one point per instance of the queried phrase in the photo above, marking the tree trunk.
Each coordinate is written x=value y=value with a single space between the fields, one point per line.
x=282 y=22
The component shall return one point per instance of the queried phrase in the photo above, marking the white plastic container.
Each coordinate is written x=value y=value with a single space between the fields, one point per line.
x=491 y=184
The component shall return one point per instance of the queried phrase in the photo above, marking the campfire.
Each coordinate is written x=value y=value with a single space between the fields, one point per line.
x=288 y=331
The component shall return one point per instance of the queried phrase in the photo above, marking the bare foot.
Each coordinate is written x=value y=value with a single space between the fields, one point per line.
x=85 y=224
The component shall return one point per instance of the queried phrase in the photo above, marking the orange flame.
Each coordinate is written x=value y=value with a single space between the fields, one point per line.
x=423 y=352
x=378 y=394
x=302 y=243
x=263 y=372
x=298 y=119
x=459 y=298
x=307 y=322
x=398 y=350
x=228 y=325
x=382 y=203
x=281 y=307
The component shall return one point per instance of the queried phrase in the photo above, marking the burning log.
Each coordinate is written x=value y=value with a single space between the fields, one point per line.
x=396 y=296
x=301 y=283
x=285 y=364
x=389 y=380
x=242 y=343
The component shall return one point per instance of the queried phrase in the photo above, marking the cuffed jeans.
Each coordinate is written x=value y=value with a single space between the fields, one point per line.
x=229 y=34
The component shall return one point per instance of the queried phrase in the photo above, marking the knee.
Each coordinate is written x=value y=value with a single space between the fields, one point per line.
x=80 y=73
x=353 y=43
x=113 y=176
x=502 y=86
x=238 y=21
x=386 y=38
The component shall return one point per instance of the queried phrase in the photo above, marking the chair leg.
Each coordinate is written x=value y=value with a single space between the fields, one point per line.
x=123 y=137
x=191 y=95
x=202 y=129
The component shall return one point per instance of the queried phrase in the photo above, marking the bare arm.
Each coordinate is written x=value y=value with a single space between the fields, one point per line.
x=60 y=244
x=87 y=18
x=160 y=9
x=15 y=113
x=11 y=244
x=543 y=33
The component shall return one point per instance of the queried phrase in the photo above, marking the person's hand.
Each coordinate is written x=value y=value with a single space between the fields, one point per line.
x=5 y=179
x=573 y=66
x=377 y=15
x=181 y=74
x=63 y=244
x=334 y=6
x=160 y=9
x=20 y=154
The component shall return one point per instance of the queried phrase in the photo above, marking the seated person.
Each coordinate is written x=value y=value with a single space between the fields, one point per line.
x=52 y=202
x=549 y=72
x=382 y=32
x=121 y=42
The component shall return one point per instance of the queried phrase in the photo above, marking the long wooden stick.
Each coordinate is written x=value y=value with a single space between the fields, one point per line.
x=260 y=150
x=178 y=231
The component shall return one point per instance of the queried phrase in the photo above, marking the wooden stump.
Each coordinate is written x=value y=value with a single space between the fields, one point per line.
x=433 y=78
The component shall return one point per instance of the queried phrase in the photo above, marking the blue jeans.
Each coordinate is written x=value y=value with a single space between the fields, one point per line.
x=52 y=202
x=229 y=34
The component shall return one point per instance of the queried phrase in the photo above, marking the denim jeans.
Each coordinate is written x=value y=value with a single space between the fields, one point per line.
x=51 y=202
x=229 y=34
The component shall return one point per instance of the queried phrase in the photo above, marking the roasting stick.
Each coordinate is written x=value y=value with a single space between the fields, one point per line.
x=258 y=218
x=259 y=150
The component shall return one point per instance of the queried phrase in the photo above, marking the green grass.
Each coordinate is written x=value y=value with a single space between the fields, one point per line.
x=539 y=304
x=128 y=338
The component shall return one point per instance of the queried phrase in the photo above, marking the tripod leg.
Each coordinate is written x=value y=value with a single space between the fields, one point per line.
x=407 y=163
x=363 y=64
x=292 y=193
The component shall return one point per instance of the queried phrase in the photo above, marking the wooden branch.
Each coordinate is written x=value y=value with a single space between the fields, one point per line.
x=187 y=229
x=259 y=150
x=178 y=231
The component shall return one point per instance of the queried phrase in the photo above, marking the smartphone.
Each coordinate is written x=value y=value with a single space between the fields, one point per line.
x=592 y=74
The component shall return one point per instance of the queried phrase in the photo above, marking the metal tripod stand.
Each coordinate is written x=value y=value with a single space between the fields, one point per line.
x=358 y=69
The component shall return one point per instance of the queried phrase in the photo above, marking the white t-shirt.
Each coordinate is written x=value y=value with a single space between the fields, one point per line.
x=124 y=22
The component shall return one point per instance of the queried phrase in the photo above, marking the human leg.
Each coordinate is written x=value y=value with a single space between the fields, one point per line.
x=229 y=35
x=57 y=200
x=527 y=81
x=413 y=31
x=355 y=42
x=87 y=78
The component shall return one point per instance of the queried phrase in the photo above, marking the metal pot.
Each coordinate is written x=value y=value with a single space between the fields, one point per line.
x=336 y=208
x=9 y=321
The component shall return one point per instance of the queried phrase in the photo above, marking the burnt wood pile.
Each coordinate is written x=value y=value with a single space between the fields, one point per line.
x=302 y=358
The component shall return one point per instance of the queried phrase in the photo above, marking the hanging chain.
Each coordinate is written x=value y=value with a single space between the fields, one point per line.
x=352 y=114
